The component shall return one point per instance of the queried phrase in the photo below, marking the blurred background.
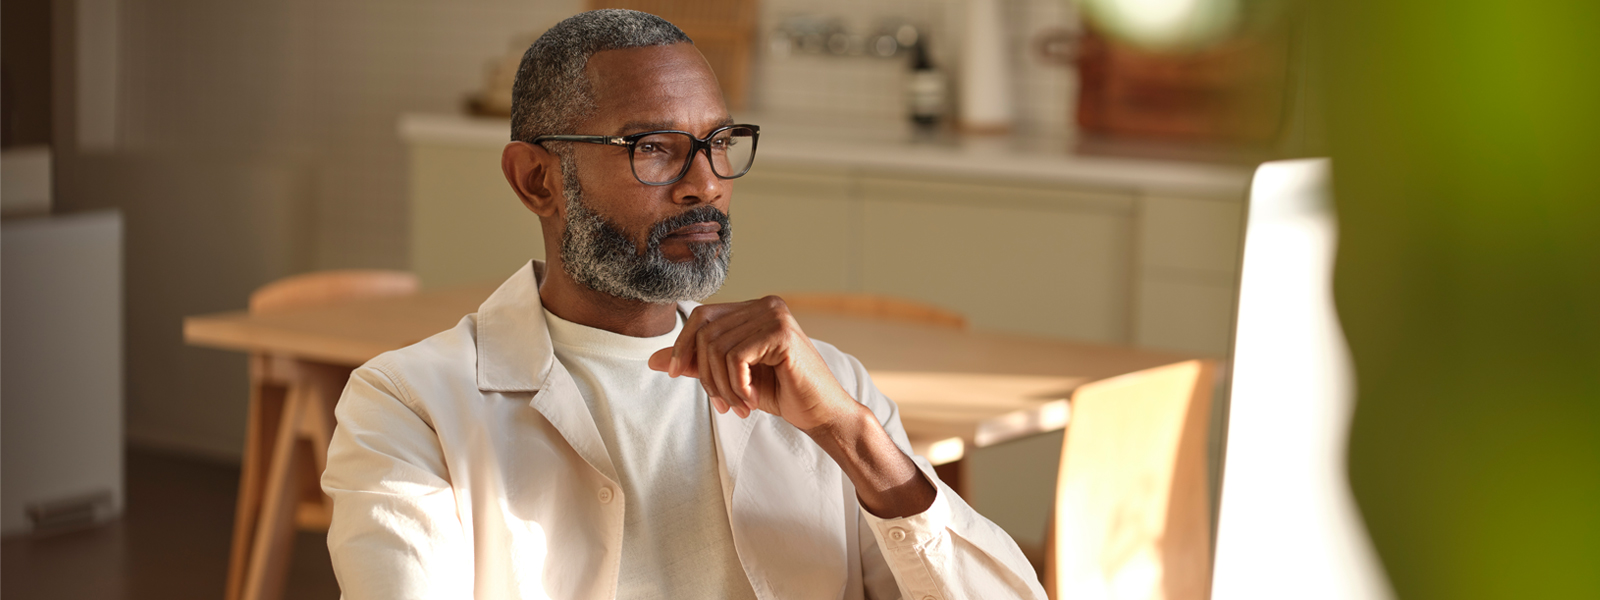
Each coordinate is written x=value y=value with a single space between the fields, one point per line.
x=164 y=159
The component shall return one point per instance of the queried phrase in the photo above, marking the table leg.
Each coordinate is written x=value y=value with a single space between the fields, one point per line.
x=325 y=383
x=261 y=430
x=269 y=553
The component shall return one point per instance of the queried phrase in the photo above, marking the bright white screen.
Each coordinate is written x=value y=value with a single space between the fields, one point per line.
x=1288 y=526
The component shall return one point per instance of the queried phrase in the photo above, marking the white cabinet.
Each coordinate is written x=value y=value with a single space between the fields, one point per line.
x=1188 y=264
x=1098 y=249
x=1029 y=260
x=793 y=230
x=62 y=357
x=467 y=226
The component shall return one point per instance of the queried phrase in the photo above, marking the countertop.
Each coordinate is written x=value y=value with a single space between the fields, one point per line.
x=896 y=149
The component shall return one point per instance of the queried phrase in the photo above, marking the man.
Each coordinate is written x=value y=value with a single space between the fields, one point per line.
x=592 y=432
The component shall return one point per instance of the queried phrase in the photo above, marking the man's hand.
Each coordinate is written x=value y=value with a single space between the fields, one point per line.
x=753 y=356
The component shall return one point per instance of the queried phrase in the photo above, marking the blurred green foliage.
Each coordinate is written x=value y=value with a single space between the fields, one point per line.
x=1466 y=144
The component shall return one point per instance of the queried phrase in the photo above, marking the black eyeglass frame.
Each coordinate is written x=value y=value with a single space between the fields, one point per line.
x=631 y=141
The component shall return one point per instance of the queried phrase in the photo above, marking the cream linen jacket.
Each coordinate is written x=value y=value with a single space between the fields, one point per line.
x=468 y=465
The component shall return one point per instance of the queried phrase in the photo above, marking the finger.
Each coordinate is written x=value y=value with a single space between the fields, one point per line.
x=703 y=367
x=661 y=360
x=716 y=338
x=745 y=347
x=683 y=349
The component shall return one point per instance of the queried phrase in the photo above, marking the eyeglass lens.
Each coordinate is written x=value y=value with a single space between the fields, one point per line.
x=662 y=157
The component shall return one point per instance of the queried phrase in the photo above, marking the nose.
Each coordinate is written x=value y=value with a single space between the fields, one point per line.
x=700 y=185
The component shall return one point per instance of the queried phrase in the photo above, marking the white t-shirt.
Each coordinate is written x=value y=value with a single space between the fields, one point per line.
x=676 y=541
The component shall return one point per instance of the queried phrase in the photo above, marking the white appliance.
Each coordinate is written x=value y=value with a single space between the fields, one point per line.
x=60 y=371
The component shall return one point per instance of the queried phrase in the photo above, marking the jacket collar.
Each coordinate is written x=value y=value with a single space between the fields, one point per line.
x=514 y=351
x=515 y=355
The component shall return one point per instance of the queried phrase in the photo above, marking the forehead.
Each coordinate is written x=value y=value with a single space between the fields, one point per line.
x=666 y=86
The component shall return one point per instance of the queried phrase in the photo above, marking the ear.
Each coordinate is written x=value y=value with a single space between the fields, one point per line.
x=535 y=175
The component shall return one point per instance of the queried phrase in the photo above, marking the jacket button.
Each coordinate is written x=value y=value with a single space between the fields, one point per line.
x=605 y=495
x=897 y=534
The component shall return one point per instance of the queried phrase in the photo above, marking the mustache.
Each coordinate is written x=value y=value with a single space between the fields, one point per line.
x=702 y=214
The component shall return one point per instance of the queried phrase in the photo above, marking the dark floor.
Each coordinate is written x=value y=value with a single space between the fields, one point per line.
x=171 y=543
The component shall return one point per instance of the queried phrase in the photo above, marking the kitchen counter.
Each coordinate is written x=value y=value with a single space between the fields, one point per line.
x=1117 y=250
x=897 y=149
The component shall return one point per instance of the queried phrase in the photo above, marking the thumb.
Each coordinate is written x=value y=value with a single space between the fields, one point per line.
x=661 y=360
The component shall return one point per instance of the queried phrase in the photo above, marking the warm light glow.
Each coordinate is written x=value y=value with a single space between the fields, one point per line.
x=1165 y=23
x=1138 y=578
x=1157 y=15
x=1049 y=416
x=946 y=451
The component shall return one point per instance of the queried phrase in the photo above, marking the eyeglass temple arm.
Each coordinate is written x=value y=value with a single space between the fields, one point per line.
x=586 y=139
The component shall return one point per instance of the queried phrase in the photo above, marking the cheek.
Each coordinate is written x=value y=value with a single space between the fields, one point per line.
x=613 y=193
x=626 y=209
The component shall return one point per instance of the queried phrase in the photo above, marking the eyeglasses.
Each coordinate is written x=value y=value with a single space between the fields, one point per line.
x=664 y=157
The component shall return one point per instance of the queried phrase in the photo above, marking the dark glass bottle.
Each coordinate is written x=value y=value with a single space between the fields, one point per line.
x=925 y=88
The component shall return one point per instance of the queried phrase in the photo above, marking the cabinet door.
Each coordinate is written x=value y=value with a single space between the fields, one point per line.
x=467 y=226
x=1029 y=260
x=793 y=230
x=1186 y=315
x=1191 y=234
x=1188 y=254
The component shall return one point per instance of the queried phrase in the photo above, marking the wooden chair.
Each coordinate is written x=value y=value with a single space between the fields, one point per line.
x=874 y=306
x=1133 y=512
x=290 y=425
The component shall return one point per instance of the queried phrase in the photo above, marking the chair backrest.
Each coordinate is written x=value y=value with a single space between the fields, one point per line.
x=321 y=287
x=1132 y=515
x=874 y=306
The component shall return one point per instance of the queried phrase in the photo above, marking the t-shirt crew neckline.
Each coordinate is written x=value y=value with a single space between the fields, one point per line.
x=599 y=342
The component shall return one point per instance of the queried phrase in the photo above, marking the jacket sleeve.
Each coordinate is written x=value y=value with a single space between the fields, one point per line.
x=948 y=551
x=396 y=531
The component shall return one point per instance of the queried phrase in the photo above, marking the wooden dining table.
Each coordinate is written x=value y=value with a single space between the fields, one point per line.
x=956 y=388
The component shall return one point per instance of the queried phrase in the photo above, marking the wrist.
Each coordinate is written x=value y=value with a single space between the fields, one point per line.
x=888 y=484
x=842 y=424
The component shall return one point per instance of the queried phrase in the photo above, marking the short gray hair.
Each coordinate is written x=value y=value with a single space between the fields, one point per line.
x=552 y=93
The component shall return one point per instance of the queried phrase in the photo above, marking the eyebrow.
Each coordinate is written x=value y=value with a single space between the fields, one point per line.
x=641 y=126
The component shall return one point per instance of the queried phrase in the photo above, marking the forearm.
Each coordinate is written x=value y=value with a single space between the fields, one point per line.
x=887 y=482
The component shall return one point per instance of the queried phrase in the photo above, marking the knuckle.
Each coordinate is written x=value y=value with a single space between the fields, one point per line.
x=787 y=324
x=701 y=314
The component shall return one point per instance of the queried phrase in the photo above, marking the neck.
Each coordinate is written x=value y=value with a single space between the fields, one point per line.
x=577 y=303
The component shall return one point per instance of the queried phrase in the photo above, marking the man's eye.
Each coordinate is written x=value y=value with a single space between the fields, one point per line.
x=648 y=147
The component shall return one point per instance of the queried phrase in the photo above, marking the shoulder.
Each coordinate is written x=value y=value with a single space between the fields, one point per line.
x=417 y=374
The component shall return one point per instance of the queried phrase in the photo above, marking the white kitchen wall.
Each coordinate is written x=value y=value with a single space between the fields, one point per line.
x=215 y=95
x=318 y=83
x=862 y=87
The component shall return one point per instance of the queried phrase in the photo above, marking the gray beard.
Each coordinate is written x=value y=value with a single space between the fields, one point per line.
x=597 y=254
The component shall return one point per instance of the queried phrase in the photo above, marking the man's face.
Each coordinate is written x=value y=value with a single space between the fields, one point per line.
x=625 y=238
